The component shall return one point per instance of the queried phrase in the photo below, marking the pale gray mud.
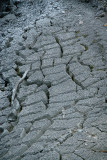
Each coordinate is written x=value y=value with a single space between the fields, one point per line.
x=59 y=111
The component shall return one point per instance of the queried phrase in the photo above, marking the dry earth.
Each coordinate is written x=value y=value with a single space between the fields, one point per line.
x=55 y=54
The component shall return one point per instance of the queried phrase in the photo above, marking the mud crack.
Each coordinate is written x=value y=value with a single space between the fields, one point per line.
x=57 y=41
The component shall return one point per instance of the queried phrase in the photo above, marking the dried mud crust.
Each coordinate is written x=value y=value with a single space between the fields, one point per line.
x=53 y=83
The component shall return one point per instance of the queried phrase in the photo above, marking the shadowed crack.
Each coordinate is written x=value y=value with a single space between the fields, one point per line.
x=77 y=82
x=79 y=156
x=73 y=77
x=48 y=97
x=85 y=117
x=18 y=71
x=57 y=41
x=35 y=40
x=6 y=81
x=90 y=66
x=46 y=90
x=67 y=68
x=60 y=157
x=41 y=67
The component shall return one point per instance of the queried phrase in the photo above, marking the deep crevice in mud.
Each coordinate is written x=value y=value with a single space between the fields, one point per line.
x=1 y=130
x=105 y=100
x=41 y=67
x=77 y=82
x=9 y=98
x=6 y=83
x=85 y=117
x=48 y=97
x=67 y=70
x=61 y=49
x=82 y=63
x=18 y=72
x=21 y=107
x=60 y=157
x=91 y=68
x=79 y=156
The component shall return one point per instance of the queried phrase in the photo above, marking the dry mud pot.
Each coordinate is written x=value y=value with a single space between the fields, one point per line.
x=53 y=81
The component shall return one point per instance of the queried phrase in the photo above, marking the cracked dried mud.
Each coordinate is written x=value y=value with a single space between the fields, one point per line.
x=59 y=111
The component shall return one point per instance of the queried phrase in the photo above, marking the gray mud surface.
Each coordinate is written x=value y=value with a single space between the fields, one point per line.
x=59 y=111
